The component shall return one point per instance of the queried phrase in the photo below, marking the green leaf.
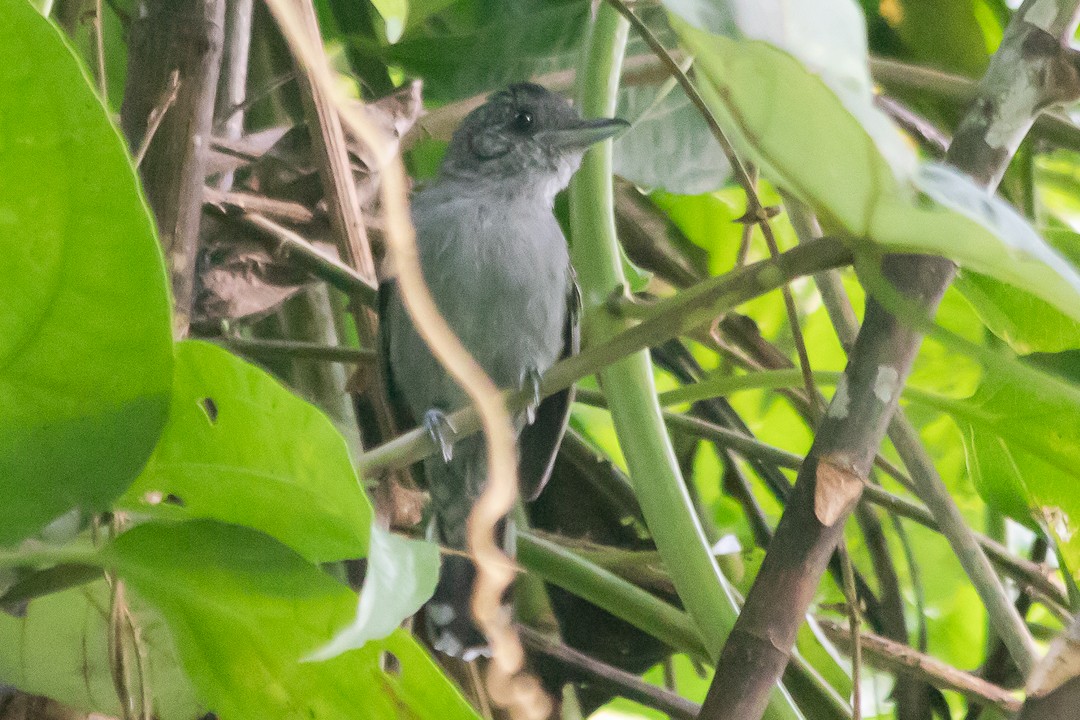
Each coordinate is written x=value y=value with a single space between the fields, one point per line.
x=791 y=124
x=1024 y=321
x=85 y=338
x=828 y=37
x=1023 y=447
x=945 y=35
x=393 y=13
x=241 y=448
x=474 y=47
x=669 y=146
x=401 y=576
x=1005 y=245
x=59 y=649
x=1041 y=416
x=998 y=471
x=808 y=142
x=244 y=610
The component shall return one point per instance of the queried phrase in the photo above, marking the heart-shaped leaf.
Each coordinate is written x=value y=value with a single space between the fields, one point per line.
x=85 y=338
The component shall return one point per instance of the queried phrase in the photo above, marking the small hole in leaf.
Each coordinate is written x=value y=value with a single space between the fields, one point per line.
x=390 y=663
x=210 y=408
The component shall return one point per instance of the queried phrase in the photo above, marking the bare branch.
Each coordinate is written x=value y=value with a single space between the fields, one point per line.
x=896 y=657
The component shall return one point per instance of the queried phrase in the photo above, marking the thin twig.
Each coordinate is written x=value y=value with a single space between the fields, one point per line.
x=118 y=665
x=854 y=624
x=274 y=84
x=298 y=349
x=897 y=657
x=232 y=83
x=168 y=97
x=291 y=244
x=619 y=681
x=142 y=654
x=273 y=208
x=812 y=394
x=725 y=437
x=756 y=212
x=99 y=51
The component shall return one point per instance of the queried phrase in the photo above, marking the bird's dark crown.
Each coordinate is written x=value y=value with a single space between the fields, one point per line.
x=511 y=122
x=523 y=139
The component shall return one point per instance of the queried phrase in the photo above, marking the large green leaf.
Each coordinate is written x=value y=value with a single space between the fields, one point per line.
x=948 y=36
x=59 y=649
x=786 y=119
x=1024 y=321
x=669 y=146
x=1023 y=447
x=85 y=344
x=807 y=141
x=245 y=610
x=241 y=448
x=827 y=37
x=401 y=576
x=474 y=47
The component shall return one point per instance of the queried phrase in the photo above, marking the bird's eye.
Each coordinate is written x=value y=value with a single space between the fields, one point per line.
x=523 y=121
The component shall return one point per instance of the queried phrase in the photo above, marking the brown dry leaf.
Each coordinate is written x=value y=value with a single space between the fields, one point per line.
x=238 y=277
x=231 y=155
x=837 y=489
x=280 y=159
x=394 y=115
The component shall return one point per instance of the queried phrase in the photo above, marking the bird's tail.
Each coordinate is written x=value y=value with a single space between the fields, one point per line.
x=454 y=488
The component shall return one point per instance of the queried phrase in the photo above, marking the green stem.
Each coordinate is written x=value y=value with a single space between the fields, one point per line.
x=731 y=439
x=74 y=554
x=779 y=379
x=628 y=384
x=563 y=567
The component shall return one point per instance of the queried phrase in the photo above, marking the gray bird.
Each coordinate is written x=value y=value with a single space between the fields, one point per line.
x=497 y=264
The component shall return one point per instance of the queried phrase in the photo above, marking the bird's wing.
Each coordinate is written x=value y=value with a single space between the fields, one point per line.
x=539 y=442
x=402 y=416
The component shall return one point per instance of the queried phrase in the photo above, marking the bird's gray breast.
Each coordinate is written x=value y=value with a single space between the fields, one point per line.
x=499 y=272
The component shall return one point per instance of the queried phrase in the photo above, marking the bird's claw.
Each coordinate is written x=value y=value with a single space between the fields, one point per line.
x=530 y=379
x=441 y=431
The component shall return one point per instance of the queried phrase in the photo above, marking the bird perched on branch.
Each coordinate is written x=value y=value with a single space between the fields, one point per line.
x=496 y=262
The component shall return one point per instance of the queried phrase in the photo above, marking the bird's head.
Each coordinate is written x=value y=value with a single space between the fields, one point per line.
x=524 y=138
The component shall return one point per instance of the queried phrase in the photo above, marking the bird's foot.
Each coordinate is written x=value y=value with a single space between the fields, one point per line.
x=441 y=431
x=530 y=380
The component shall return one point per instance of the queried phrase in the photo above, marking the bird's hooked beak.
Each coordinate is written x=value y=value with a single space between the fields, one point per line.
x=585 y=133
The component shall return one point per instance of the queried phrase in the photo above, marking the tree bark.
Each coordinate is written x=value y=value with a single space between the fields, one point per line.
x=174 y=60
